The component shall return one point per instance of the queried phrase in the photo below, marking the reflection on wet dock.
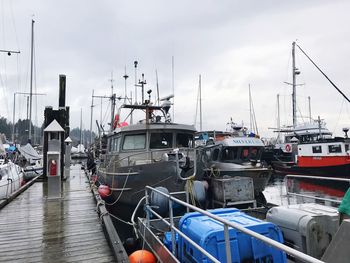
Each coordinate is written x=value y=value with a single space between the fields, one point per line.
x=35 y=229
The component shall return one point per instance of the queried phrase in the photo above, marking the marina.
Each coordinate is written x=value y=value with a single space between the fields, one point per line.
x=133 y=136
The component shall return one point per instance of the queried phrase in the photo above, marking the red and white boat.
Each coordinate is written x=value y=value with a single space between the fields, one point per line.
x=317 y=153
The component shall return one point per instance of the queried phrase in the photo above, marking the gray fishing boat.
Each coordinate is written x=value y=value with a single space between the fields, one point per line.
x=154 y=151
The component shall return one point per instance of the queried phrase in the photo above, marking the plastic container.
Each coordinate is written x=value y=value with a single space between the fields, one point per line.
x=308 y=228
x=209 y=234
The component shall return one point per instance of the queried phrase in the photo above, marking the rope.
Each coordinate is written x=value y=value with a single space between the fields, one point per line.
x=324 y=74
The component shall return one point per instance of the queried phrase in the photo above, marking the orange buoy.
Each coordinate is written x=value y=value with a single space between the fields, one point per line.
x=142 y=256
x=104 y=191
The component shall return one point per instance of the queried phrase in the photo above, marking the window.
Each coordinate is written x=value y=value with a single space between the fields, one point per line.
x=245 y=153
x=134 y=142
x=184 y=140
x=161 y=140
x=215 y=155
x=336 y=148
x=115 y=145
x=229 y=153
x=346 y=147
x=317 y=149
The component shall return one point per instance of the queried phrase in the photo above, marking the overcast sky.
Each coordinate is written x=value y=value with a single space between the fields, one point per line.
x=230 y=43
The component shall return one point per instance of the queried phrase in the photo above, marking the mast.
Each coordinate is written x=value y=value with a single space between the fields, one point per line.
x=157 y=88
x=92 y=110
x=125 y=92
x=309 y=98
x=31 y=84
x=81 y=121
x=173 y=85
x=112 y=104
x=294 y=86
x=135 y=66
x=250 y=110
x=278 y=116
x=200 y=103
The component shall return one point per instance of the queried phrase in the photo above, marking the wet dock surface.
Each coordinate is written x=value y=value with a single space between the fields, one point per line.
x=35 y=229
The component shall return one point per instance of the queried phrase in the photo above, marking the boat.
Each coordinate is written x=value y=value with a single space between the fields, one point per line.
x=30 y=161
x=306 y=232
x=153 y=151
x=317 y=153
x=309 y=148
x=233 y=153
x=11 y=175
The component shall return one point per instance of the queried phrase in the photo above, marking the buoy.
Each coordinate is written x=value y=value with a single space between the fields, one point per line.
x=142 y=256
x=104 y=191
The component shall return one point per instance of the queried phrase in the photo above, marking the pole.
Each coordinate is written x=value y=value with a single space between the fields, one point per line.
x=92 y=110
x=200 y=103
x=31 y=84
x=13 y=117
x=309 y=98
x=112 y=104
x=250 y=110
x=173 y=85
x=278 y=116
x=125 y=92
x=294 y=87
x=135 y=65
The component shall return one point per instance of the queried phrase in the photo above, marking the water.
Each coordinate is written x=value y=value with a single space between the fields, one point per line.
x=309 y=191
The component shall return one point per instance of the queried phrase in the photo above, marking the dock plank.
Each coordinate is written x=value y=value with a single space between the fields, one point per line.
x=35 y=229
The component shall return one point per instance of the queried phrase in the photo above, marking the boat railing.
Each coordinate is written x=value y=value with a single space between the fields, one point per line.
x=289 y=194
x=227 y=224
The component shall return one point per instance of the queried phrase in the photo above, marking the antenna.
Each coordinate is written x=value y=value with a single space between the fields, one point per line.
x=125 y=92
x=135 y=66
x=157 y=88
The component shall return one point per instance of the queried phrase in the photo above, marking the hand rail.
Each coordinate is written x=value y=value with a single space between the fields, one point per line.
x=297 y=254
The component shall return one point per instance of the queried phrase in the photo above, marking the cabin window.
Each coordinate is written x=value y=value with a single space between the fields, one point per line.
x=115 y=145
x=134 y=142
x=229 y=154
x=346 y=147
x=317 y=149
x=161 y=140
x=336 y=148
x=215 y=155
x=184 y=140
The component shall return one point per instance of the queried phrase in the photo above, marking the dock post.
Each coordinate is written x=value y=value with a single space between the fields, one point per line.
x=67 y=159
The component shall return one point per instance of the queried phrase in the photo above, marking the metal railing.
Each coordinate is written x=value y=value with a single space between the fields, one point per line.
x=227 y=224
x=289 y=194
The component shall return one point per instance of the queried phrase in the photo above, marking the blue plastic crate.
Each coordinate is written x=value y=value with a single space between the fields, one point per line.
x=209 y=234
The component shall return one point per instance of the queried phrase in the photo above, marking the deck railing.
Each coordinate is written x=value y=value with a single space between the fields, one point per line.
x=227 y=224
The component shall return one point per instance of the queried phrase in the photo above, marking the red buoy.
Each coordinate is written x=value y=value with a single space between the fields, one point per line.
x=142 y=256
x=104 y=191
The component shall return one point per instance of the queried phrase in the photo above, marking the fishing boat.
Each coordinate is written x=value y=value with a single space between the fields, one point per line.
x=233 y=153
x=306 y=232
x=153 y=151
x=309 y=148
x=318 y=153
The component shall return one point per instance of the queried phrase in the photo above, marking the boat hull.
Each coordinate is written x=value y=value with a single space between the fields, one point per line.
x=342 y=171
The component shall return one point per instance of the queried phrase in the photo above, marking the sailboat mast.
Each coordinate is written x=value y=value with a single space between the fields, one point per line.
x=200 y=103
x=92 y=110
x=294 y=87
x=81 y=120
x=250 y=111
x=31 y=84
x=309 y=98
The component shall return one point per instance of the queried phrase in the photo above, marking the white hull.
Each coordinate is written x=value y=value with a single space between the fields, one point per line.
x=11 y=179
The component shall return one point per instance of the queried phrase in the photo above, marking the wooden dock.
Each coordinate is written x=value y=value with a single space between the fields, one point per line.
x=35 y=229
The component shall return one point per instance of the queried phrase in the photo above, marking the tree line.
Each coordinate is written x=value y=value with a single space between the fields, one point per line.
x=21 y=133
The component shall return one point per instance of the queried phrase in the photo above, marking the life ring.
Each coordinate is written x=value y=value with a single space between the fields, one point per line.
x=288 y=148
